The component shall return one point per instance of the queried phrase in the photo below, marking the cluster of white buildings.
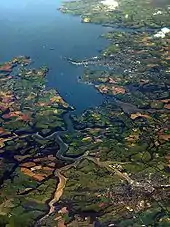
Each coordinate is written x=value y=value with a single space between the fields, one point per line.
x=111 y=4
x=162 y=33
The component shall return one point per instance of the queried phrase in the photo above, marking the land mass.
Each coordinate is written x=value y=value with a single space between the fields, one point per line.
x=109 y=166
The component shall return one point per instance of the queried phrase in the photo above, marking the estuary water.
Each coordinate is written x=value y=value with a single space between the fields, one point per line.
x=37 y=29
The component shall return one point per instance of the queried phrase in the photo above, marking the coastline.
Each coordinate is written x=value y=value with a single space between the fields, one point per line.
x=122 y=175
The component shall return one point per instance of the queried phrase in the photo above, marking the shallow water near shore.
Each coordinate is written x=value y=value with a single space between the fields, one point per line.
x=37 y=29
x=160 y=3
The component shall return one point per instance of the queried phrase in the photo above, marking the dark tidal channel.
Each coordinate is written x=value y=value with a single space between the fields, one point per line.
x=37 y=29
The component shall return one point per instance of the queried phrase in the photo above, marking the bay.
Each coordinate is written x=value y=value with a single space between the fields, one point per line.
x=37 y=29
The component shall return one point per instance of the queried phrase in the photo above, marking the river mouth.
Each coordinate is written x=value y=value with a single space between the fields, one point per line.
x=39 y=30
x=113 y=156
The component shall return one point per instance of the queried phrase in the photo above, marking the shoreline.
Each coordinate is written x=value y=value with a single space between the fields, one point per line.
x=119 y=135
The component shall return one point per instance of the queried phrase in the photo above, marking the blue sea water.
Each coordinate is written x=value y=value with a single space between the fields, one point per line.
x=37 y=29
